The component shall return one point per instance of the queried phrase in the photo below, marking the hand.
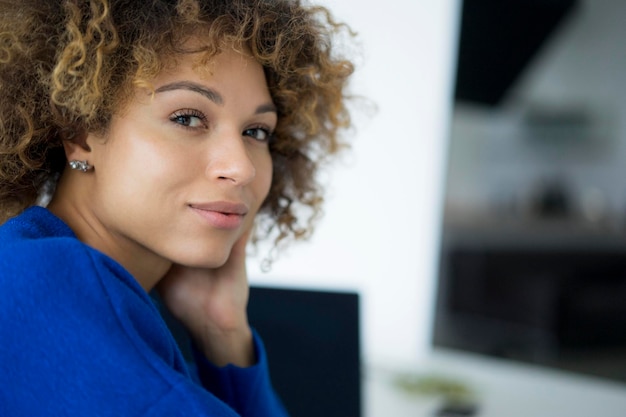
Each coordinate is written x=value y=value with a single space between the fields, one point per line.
x=211 y=303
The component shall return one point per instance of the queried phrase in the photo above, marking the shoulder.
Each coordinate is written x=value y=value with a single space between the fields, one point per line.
x=34 y=223
x=37 y=243
x=38 y=251
x=45 y=269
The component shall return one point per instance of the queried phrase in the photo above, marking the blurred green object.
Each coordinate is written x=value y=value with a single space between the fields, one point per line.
x=451 y=390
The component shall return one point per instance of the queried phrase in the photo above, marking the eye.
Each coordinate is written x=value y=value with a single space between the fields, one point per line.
x=189 y=118
x=260 y=133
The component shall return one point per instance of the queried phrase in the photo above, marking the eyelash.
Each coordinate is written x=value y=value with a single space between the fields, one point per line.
x=187 y=114
x=269 y=135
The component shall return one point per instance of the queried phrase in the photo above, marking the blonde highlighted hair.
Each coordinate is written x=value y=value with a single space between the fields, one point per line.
x=67 y=66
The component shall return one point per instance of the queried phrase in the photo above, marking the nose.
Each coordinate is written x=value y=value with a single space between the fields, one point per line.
x=229 y=160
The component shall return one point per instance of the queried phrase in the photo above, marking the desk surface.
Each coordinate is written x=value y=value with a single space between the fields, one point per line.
x=500 y=389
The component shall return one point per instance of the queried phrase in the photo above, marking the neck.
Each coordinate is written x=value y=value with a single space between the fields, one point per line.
x=76 y=211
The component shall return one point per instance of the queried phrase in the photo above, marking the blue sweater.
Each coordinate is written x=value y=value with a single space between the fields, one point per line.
x=80 y=337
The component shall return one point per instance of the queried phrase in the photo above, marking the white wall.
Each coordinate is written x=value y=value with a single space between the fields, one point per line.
x=380 y=233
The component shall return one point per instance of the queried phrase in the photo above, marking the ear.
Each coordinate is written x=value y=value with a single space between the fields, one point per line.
x=75 y=144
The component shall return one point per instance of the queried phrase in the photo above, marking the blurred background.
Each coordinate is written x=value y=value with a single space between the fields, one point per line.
x=533 y=255
x=481 y=215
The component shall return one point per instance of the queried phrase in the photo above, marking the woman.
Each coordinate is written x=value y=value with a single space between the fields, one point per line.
x=138 y=142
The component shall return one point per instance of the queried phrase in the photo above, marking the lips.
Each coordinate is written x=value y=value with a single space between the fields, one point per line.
x=222 y=207
x=221 y=214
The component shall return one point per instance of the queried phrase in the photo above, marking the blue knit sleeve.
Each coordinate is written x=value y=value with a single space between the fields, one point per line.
x=247 y=390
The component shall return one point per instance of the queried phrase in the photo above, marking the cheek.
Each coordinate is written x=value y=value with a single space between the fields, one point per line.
x=264 y=176
x=138 y=169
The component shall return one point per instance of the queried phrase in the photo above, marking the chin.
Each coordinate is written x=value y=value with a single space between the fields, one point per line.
x=202 y=260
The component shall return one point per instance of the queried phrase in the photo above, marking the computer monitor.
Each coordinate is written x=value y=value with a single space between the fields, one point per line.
x=312 y=339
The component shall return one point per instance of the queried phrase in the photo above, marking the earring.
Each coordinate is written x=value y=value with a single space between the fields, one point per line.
x=80 y=165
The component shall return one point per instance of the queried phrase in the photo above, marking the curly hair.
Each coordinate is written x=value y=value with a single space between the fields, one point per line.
x=66 y=66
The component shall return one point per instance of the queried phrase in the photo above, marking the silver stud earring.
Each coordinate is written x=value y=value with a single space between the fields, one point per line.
x=80 y=165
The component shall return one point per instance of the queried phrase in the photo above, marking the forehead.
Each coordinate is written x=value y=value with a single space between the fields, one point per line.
x=205 y=55
x=229 y=67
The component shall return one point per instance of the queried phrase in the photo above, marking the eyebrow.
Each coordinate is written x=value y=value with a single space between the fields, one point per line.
x=266 y=108
x=209 y=93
